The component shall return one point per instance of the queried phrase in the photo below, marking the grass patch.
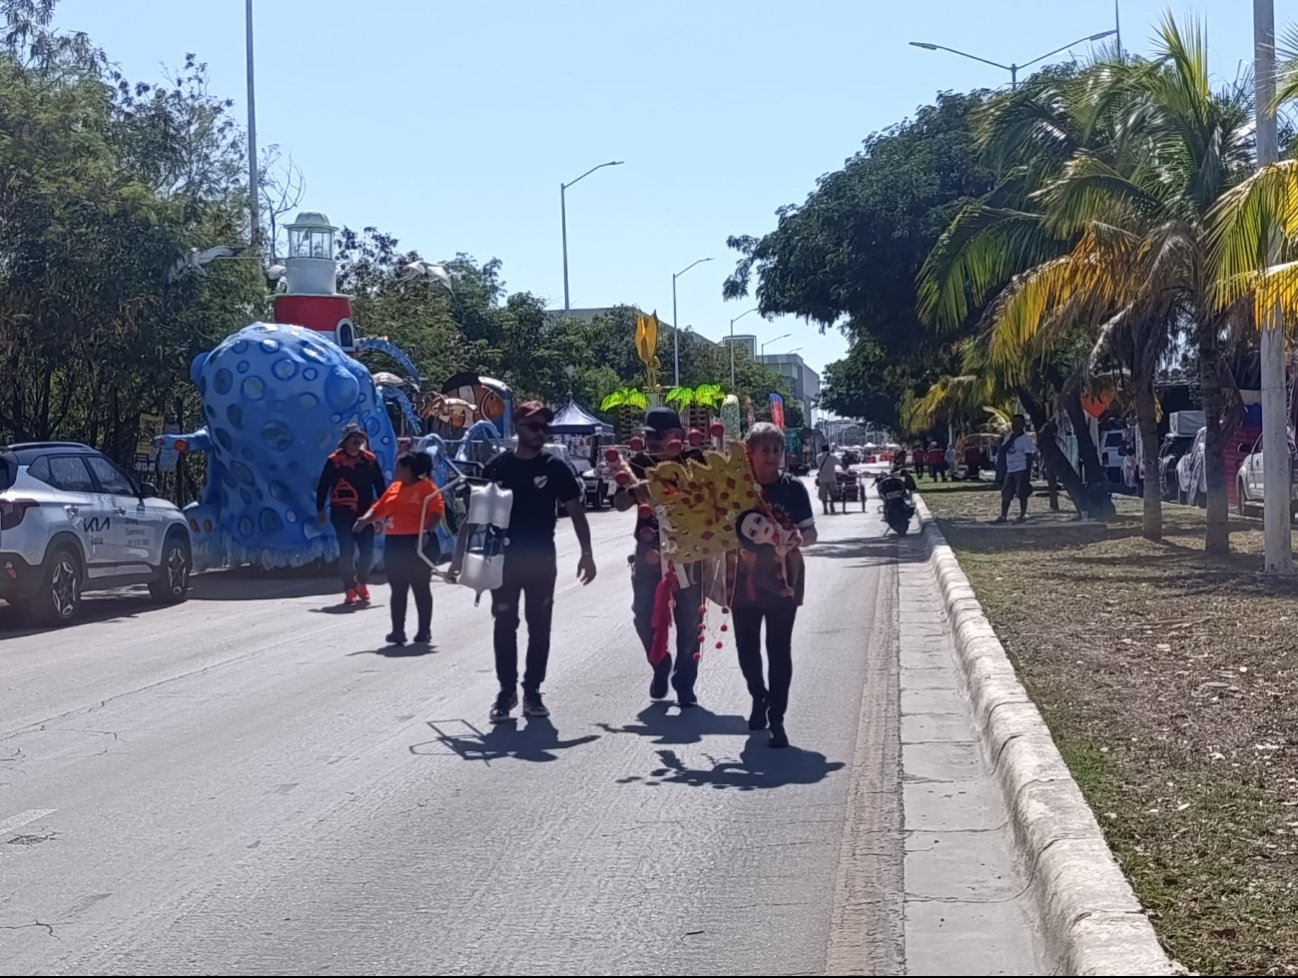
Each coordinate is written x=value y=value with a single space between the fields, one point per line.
x=1169 y=680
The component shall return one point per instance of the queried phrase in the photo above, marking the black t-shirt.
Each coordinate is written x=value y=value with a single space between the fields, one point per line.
x=761 y=579
x=539 y=485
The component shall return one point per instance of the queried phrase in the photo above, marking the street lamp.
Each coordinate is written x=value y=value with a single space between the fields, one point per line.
x=776 y=340
x=732 y=344
x=563 y=217
x=1013 y=69
x=676 y=333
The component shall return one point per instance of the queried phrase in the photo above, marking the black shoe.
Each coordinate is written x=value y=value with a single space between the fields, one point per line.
x=662 y=674
x=533 y=705
x=686 y=698
x=396 y=638
x=757 y=719
x=423 y=637
x=778 y=737
x=505 y=704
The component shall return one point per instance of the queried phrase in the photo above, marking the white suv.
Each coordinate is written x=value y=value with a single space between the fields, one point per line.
x=72 y=521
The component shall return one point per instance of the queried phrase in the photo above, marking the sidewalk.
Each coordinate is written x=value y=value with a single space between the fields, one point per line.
x=967 y=911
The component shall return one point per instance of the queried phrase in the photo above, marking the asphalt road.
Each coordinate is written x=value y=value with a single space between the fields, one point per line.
x=249 y=784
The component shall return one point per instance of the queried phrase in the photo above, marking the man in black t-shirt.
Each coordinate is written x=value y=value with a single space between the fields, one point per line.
x=664 y=437
x=540 y=484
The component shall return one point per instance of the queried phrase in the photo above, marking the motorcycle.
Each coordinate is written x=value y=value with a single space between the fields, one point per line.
x=894 y=489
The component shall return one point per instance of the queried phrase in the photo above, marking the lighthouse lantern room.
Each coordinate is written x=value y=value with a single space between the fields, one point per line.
x=311 y=272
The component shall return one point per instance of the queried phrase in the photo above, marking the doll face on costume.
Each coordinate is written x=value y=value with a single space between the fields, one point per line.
x=755 y=530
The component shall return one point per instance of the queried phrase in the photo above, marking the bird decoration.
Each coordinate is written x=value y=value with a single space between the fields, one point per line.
x=196 y=261
x=429 y=270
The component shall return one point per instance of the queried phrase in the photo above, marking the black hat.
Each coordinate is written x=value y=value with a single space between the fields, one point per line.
x=353 y=429
x=661 y=420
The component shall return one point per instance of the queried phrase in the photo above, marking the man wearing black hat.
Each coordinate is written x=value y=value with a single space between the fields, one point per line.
x=540 y=484
x=664 y=440
x=351 y=482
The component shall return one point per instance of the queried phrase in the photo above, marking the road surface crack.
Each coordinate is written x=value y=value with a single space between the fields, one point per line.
x=48 y=928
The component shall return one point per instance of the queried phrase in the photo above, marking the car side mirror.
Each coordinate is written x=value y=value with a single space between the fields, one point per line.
x=1245 y=449
x=148 y=491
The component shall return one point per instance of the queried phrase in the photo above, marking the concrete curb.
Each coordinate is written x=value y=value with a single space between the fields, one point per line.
x=1092 y=922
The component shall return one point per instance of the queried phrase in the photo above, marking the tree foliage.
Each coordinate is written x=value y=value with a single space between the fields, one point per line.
x=849 y=255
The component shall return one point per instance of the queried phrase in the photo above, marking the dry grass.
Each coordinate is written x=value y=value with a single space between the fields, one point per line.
x=1170 y=681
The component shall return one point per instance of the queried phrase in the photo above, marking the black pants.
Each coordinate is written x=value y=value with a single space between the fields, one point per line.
x=353 y=571
x=407 y=572
x=528 y=581
x=687 y=618
x=779 y=654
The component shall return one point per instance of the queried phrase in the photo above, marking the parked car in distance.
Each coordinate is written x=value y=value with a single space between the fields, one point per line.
x=1191 y=474
x=1171 y=451
x=71 y=521
x=1249 y=480
x=589 y=487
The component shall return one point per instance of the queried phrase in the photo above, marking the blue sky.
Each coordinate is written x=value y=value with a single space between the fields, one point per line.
x=451 y=125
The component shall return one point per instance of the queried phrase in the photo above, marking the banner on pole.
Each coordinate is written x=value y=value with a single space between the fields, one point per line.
x=777 y=410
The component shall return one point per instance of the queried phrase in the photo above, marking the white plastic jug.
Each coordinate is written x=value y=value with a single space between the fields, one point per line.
x=490 y=508
x=482 y=572
x=490 y=505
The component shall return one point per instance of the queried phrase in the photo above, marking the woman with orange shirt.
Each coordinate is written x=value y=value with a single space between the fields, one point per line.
x=401 y=507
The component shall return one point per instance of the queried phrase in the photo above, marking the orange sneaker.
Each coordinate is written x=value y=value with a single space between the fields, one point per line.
x=363 y=592
x=352 y=597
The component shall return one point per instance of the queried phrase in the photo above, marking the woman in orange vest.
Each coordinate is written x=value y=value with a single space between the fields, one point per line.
x=402 y=509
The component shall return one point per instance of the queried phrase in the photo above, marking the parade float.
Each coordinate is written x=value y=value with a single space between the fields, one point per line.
x=276 y=398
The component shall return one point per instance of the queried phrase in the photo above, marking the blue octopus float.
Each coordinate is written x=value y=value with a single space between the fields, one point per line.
x=276 y=398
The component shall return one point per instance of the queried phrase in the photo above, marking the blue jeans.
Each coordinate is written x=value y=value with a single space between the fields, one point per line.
x=350 y=569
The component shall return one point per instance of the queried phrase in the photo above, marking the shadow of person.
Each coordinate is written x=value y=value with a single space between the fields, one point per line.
x=536 y=741
x=412 y=651
x=689 y=726
x=759 y=767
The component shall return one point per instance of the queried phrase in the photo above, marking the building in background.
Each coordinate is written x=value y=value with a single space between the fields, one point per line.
x=804 y=382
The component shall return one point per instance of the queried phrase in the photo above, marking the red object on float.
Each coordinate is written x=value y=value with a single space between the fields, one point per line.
x=675 y=445
x=637 y=444
x=322 y=313
x=696 y=436
x=645 y=512
x=612 y=456
x=622 y=477
x=718 y=429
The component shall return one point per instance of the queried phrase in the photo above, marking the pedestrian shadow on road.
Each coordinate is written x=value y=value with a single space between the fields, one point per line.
x=758 y=767
x=686 y=727
x=411 y=651
x=870 y=552
x=536 y=740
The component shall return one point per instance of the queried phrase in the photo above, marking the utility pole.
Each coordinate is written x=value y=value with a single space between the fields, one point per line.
x=1276 y=464
x=254 y=191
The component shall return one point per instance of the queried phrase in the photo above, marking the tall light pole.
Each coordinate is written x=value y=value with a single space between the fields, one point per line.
x=1276 y=475
x=563 y=217
x=254 y=191
x=1013 y=69
x=676 y=330
x=732 y=344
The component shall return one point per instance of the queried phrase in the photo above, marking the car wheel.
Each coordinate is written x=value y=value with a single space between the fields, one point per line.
x=59 y=598
x=171 y=585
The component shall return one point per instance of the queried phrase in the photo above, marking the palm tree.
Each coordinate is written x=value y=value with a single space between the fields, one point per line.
x=1135 y=207
x=629 y=403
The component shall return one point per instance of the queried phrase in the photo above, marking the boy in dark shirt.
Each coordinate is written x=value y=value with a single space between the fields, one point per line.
x=540 y=483
x=665 y=438
x=352 y=481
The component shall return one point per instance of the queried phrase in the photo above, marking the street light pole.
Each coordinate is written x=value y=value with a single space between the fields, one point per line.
x=254 y=191
x=732 y=345
x=676 y=329
x=563 y=219
x=1013 y=68
x=776 y=340
x=1276 y=473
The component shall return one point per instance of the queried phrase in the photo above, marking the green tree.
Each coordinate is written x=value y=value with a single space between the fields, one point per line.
x=848 y=256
